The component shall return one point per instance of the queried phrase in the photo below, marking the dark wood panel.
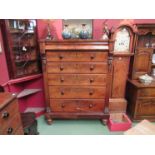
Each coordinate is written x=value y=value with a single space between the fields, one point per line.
x=72 y=67
x=77 y=79
x=7 y=113
x=12 y=126
x=146 y=106
x=77 y=92
x=146 y=92
x=68 y=105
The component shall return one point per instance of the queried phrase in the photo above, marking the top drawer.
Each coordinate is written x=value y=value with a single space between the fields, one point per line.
x=146 y=92
x=77 y=56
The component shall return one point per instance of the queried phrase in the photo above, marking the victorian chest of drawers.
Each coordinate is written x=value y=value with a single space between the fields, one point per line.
x=75 y=79
x=10 y=120
x=141 y=100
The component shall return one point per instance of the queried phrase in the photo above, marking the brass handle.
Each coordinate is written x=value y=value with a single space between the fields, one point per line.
x=61 y=57
x=91 y=80
x=61 y=79
x=78 y=108
x=5 y=114
x=63 y=106
x=91 y=67
x=61 y=68
x=90 y=105
x=62 y=92
x=91 y=92
x=9 y=130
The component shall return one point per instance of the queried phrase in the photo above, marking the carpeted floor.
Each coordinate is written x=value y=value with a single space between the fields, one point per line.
x=73 y=127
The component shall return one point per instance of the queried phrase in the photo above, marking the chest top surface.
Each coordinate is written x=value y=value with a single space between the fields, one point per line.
x=6 y=98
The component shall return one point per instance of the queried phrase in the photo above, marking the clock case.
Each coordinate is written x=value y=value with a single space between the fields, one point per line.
x=120 y=68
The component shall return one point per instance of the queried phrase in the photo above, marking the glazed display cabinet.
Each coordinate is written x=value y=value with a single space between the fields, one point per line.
x=20 y=42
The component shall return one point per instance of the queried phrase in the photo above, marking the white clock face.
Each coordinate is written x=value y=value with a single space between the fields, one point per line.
x=122 y=41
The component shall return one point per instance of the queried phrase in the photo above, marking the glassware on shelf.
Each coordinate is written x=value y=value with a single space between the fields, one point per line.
x=84 y=33
x=147 y=45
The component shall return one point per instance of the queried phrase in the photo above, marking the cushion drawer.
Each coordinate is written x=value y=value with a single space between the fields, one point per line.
x=72 y=67
x=77 y=92
x=77 y=56
x=146 y=92
x=12 y=126
x=8 y=112
x=68 y=105
x=77 y=79
x=146 y=106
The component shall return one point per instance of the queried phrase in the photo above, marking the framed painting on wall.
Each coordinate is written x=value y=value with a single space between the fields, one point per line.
x=76 y=26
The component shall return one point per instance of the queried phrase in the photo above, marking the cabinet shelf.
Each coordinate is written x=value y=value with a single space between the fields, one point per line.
x=27 y=92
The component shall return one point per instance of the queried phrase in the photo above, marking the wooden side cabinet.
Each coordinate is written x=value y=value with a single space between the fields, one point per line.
x=10 y=119
x=141 y=100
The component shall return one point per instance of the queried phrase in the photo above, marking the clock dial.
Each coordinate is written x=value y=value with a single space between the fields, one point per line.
x=122 y=41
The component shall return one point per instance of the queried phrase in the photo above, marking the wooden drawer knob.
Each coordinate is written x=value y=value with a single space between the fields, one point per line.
x=5 y=115
x=61 y=79
x=63 y=106
x=91 y=92
x=62 y=92
x=91 y=80
x=61 y=57
x=92 y=56
x=61 y=68
x=91 y=67
x=9 y=130
x=90 y=105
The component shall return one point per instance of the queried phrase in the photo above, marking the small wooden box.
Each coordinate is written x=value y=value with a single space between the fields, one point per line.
x=119 y=122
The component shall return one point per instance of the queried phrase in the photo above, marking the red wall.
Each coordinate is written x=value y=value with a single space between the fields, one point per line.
x=4 y=76
x=56 y=26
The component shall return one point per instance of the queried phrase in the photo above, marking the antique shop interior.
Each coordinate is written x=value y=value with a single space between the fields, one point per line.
x=77 y=76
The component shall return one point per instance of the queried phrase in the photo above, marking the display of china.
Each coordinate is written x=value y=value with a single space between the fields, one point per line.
x=147 y=45
x=84 y=33
x=66 y=34
x=146 y=79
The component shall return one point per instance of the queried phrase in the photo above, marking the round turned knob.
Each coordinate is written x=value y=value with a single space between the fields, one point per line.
x=62 y=92
x=61 y=79
x=91 y=93
x=63 y=106
x=91 y=67
x=90 y=105
x=91 y=80
x=61 y=68
x=5 y=114
x=92 y=56
x=9 y=130
x=61 y=57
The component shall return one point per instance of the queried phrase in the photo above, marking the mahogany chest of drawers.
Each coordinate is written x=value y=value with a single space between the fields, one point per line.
x=141 y=100
x=10 y=120
x=75 y=79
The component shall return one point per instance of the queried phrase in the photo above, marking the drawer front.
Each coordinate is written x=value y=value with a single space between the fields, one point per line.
x=8 y=112
x=146 y=92
x=77 y=79
x=146 y=107
x=77 y=92
x=12 y=125
x=77 y=56
x=66 y=105
x=72 y=67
